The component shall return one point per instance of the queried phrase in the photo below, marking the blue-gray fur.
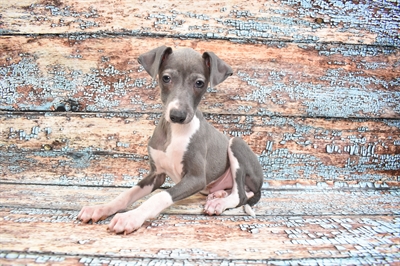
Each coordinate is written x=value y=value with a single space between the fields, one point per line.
x=206 y=157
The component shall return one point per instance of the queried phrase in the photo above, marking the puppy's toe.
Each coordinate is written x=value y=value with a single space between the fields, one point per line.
x=93 y=213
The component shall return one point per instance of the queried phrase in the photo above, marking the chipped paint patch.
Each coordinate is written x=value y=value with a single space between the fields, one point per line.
x=342 y=93
x=100 y=89
x=352 y=16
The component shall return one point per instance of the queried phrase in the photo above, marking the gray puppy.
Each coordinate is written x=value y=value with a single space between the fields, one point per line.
x=184 y=146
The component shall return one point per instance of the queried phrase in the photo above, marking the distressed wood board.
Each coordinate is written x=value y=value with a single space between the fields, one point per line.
x=194 y=237
x=111 y=149
x=12 y=258
x=22 y=258
x=301 y=226
x=289 y=202
x=97 y=75
x=370 y=22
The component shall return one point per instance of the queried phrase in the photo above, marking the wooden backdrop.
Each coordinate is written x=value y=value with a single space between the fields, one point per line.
x=315 y=92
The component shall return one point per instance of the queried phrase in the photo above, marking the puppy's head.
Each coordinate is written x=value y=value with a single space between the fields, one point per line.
x=183 y=76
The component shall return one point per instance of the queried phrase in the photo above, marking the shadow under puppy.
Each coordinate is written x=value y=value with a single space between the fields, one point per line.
x=184 y=146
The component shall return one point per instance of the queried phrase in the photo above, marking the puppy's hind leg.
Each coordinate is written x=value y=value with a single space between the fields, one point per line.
x=251 y=183
x=247 y=180
x=220 y=204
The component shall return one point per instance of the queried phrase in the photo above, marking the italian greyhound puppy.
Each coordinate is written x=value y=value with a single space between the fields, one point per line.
x=185 y=147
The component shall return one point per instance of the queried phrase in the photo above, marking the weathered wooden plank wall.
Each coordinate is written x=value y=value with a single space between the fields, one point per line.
x=315 y=92
x=315 y=85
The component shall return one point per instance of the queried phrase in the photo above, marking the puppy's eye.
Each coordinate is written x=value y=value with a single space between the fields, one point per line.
x=199 y=84
x=166 y=79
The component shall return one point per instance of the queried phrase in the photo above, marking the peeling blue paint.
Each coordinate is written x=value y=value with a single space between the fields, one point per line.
x=350 y=16
x=282 y=164
x=354 y=50
x=347 y=94
x=98 y=87
x=68 y=16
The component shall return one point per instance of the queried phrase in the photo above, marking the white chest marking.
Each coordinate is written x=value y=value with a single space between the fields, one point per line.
x=170 y=161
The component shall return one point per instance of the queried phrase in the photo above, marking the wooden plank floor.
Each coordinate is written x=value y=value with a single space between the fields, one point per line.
x=330 y=226
x=315 y=93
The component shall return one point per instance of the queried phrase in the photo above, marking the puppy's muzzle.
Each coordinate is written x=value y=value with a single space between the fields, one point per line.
x=177 y=116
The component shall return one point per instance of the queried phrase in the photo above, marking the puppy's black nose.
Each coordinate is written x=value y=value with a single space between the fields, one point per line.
x=177 y=116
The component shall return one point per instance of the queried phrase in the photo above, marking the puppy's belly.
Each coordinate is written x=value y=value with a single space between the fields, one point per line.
x=225 y=181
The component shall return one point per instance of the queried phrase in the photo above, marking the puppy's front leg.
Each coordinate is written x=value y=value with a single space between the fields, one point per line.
x=121 y=202
x=130 y=221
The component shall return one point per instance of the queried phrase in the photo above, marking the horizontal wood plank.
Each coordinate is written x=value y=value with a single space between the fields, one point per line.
x=194 y=237
x=370 y=22
x=101 y=74
x=23 y=258
x=273 y=202
x=8 y=258
x=111 y=149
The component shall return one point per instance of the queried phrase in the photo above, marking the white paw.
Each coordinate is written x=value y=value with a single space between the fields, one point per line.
x=94 y=213
x=215 y=206
x=126 y=222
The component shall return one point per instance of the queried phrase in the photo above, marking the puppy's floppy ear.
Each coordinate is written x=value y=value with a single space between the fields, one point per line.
x=219 y=70
x=151 y=61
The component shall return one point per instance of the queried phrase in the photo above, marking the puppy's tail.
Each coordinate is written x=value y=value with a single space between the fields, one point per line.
x=251 y=202
x=249 y=210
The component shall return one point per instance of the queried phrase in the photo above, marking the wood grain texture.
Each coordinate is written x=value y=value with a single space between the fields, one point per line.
x=189 y=237
x=111 y=149
x=101 y=74
x=23 y=258
x=301 y=227
x=273 y=202
x=370 y=22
